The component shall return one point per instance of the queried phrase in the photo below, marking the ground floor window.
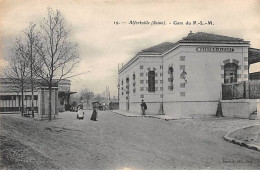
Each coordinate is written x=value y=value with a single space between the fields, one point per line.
x=8 y=97
x=170 y=79
x=230 y=73
x=151 y=81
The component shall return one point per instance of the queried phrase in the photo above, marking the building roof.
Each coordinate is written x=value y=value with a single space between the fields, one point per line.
x=192 y=37
x=199 y=37
x=159 y=48
x=8 y=85
x=202 y=36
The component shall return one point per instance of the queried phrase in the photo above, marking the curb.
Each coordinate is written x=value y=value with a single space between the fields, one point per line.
x=167 y=119
x=149 y=116
x=126 y=115
x=238 y=142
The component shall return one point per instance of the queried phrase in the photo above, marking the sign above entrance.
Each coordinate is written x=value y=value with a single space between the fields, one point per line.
x=215 y=49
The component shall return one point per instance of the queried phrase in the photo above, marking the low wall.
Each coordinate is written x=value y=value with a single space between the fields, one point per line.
x=153 y=108
x=178 y=109
x=242 y=108
x=194 y=109
x=135 y=107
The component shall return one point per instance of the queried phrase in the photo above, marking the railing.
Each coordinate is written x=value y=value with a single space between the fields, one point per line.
x=241 y=90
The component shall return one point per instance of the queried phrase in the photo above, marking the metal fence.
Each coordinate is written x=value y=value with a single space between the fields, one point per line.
x=241 y=90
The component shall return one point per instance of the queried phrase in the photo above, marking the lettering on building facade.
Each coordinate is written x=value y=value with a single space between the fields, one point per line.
x=215 y=49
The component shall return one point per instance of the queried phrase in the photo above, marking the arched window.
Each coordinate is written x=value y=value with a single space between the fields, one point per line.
x=170 y=79
x=151 y=81
x=230 y=73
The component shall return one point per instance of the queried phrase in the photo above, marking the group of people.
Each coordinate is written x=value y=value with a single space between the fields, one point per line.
x=105 y=107
x=80 y=113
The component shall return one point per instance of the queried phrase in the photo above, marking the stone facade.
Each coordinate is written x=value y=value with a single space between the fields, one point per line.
x=188 y=75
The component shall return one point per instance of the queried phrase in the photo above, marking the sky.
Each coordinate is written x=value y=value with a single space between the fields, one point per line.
x=103 y=44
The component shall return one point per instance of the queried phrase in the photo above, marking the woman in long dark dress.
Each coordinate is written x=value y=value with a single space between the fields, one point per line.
x=94 y=114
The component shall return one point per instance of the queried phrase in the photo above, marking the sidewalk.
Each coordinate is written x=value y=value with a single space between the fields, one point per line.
x=163 y=117
x=248 y=137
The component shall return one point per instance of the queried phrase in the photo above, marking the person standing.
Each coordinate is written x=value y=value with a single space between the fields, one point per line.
x=80 y=113
x=143 y=107
x=94 y=113
x=107 y=106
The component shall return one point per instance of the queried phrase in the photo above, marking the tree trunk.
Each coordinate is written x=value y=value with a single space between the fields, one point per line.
x=32 y=98
x=19 y=102
x=32 y=84
x=50 y=108
x=22 y=102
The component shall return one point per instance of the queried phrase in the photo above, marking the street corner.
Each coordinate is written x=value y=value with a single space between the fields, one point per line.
x=248 y=137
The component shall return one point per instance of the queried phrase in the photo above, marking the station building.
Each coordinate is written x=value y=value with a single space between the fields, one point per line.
x=184 y=78
x=10 y=95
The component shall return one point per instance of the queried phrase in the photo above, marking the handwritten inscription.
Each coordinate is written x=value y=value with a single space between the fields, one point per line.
x=239 y=161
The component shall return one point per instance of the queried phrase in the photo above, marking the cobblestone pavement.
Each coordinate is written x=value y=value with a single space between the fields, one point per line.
x=17 y=156
x=119 y=142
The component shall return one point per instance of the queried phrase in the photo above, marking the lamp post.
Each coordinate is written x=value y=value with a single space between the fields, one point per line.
x=161 y=111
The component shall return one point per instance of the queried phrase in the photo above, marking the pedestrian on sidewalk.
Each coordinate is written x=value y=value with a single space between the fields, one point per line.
x=94 y=113
x=143 y=107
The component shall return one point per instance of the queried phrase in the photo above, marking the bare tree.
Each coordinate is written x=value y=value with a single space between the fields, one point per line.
x=30 y=54
x=58 y=55
x=22 y=61
x=16 y=71
x=86 y=95
x=98 y=98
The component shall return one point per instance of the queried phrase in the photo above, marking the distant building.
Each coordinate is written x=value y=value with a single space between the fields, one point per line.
x=10 y=95
x=185 y=78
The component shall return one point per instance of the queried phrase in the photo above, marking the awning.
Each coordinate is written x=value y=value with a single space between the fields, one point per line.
x=254 y=76
x=67 y=92
x=253 y=55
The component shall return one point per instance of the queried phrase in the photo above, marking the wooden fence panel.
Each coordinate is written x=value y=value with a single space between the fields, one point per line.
x=246 y=90
x=233 y=91
x=227 y=92
x=254 y=89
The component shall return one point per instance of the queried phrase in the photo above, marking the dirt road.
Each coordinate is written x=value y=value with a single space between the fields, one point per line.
x=118 y=142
